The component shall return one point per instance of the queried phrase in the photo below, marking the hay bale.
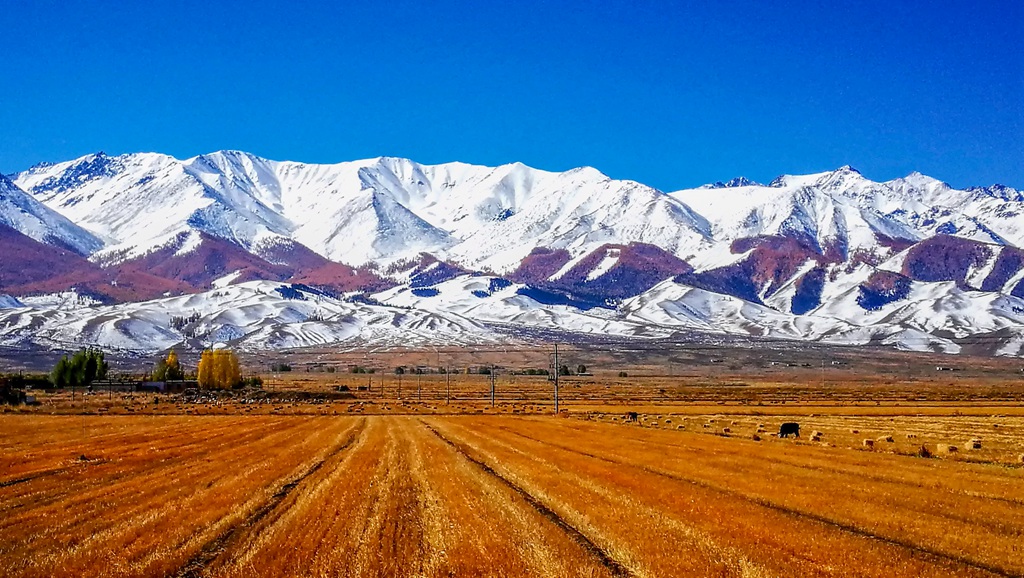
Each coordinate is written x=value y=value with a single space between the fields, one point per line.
x=887 y=439
x=974 y=444
x=868 y=443
x=946 y=448
x=816 y=434
x=855 y=431
x=911 y=436
x=726 y=430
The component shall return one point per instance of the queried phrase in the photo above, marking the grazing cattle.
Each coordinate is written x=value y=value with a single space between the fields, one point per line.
x=631 y=416
x=790 y=427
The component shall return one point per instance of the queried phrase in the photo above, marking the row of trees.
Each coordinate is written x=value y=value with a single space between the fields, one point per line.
x=219 y=370
x=80 y=370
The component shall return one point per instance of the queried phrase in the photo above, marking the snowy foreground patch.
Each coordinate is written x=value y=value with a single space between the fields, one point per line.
x=467 y=310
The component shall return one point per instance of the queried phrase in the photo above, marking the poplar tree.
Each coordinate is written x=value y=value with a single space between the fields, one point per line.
x=219 y=370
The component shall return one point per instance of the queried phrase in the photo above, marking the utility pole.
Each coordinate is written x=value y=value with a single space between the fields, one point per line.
x=492 y=385
x=556 y=379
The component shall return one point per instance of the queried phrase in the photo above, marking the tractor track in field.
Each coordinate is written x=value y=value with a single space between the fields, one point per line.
x=51 y=472
x=614 y=566
x=923 y=551
x=212 y=549
x=23 y=479
x=111 y=480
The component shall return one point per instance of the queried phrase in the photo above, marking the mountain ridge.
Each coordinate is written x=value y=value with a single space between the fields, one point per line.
x=796 y=246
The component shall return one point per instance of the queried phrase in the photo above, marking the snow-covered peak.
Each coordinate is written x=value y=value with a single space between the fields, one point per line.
x=1001 y=192
x=28 y=216
x=840 y=179
x=732 y=183
x=384 y=210
x=919 y=186
x=379 y=210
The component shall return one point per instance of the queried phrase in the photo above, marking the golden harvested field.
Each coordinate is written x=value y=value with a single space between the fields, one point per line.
x=506 y=495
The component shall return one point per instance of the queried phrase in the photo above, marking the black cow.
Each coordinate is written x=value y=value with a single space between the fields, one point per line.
x=631 y=416
x=790 y=427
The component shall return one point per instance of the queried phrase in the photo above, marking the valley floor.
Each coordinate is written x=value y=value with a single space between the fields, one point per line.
x=674 y=494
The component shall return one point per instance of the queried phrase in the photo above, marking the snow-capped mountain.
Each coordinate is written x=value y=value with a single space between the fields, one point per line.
x=379 y=210
x=830 y=256
x=252 y=315
x=25 y=214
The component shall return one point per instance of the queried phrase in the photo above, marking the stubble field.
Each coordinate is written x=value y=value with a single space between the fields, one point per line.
x=425 y=494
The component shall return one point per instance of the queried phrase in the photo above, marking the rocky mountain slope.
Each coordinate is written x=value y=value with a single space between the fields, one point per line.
x=830 y=256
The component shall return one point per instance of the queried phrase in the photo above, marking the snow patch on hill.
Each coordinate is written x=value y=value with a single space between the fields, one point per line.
x=8 y=302
x=28 y=216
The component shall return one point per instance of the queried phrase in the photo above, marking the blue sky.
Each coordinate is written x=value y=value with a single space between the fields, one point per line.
x=673 y=94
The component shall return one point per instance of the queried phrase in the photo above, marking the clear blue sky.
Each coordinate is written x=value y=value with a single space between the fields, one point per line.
x=672 y=94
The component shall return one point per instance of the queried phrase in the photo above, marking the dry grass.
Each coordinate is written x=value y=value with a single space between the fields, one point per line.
x=505 y=495
x=767 y=501
x=149 y=491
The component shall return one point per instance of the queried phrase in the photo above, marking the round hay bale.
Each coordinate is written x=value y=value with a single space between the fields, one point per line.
x=816 y=434
x=974 y=444
x=911 y=436
x=887 y=439
x=855 y=431
x=946 y=449
x=726 y=430
x=868 y=443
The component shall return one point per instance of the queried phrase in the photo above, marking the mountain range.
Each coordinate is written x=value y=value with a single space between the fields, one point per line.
x=145 y=251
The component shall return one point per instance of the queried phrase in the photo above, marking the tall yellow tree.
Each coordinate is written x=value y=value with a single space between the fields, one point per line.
x=205 y=372
x=173 y=366
x=234 y=373
x=219 y=370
